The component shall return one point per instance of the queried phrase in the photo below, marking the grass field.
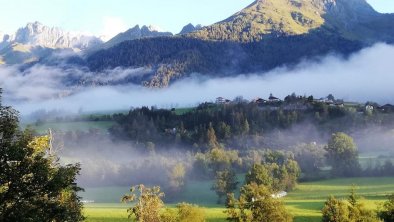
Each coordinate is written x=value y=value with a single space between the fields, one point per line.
x=83 y=126
x=305 y=202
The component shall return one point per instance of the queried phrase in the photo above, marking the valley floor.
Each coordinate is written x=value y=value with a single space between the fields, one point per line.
x=305 y=202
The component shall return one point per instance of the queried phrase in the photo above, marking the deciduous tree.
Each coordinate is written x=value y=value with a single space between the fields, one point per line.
x=34 y=186
x=387 y=211
x=148 y=203
x=256 y=204
x=342 y=155
x=226 y=182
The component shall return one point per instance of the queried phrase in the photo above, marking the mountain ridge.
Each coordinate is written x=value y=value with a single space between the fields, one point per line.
x=37 y=34
x=190 y=28
x=35 y=41
x=136 y=32
x=264 y=35
x=262 y=18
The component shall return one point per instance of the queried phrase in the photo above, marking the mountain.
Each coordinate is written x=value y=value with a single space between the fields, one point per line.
x=190 y=28
x=352 y=19
x=4 y=40
x=35 y=40
x=135 y=33
x=265 y=35
x=37 y=34
x=265 y=17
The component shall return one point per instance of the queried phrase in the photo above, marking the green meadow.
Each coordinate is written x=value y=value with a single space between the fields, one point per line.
x=304 y=203
x=83 y=126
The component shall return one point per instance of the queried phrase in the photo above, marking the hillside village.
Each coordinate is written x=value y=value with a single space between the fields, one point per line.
x=300 y=103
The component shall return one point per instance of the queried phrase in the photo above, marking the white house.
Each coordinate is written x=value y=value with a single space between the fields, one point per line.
x=279 y=195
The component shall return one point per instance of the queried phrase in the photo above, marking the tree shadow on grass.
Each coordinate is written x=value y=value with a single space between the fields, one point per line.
x=307 y=219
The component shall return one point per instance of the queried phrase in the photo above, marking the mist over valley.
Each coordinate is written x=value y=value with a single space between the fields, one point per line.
x=282 y=111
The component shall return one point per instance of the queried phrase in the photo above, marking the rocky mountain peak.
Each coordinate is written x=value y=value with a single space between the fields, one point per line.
x=152 y=28
x=190 y=28
x=136 y=33
x=37 y=34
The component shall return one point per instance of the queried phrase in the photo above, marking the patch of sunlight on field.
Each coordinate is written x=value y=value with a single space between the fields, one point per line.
x=371 y=188
x=118 y=213
x=215 y=214
x=304 y=208
x=304 y=203
x=307 y=200
x=106 y=212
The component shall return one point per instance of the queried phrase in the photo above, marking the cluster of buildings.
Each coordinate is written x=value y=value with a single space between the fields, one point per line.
x=274 y=103
x=271 y=99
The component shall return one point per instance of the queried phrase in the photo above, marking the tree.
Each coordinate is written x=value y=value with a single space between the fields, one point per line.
x=211 y=138
x=220 y=159
x=290 y=174
x=256 y=204
x=342 y=155
x=274 y=176
x=169 y=215
x=184 y=212
x=353 y=198
x=190 y=213
x=245 y=128
x=260 y=175
x=335 y=210
x=331 y=97
x=387 y=212
x=224 y=131
x=177 y=177
x=351 y=210
x=237 y=210
x=310 y=157
x=357 y=211
x=148 y=203
x=34 y=186
x=226 y=182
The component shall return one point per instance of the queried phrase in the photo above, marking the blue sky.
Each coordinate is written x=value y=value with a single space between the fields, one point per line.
x=104 y=17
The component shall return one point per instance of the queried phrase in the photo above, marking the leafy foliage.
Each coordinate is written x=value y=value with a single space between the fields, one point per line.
x=33 y=185
x=310 y=157
x=226 y=182
x=215 y=160
x=387 y=212
x=342 y=155
x=335 y=211
x=149 y=207
x=148 y=203
x=190 y=213
x=256 y=204
x=177 y=177
x=276 y=176
x=351 y=210
x=238 y=125
x=184 y=212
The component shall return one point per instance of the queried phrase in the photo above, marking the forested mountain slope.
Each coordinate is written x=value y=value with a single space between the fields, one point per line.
x=265 y=35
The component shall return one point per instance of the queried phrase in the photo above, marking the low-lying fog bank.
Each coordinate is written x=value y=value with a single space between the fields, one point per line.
x=365 y=76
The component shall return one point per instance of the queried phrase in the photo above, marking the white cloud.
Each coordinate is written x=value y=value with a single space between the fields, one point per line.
x=112 y=26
